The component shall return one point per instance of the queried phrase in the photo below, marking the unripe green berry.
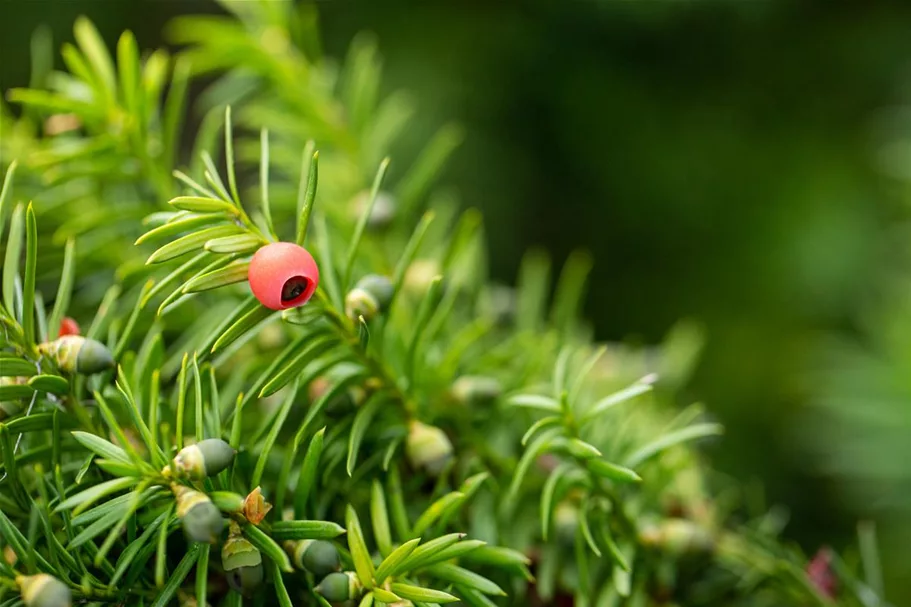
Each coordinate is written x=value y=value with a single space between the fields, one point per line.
x=205 y=458
x=369 y=297
x=228 y=501
x=476 y=390
x=201 y=519
x=43 y=590
x=243 y=565
x=319 y=557
x=77 y=354
x=337 y=587
x=428 y=448
x=359 y=302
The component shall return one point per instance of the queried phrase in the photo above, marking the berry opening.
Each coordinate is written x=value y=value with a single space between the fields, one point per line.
x=294 y=289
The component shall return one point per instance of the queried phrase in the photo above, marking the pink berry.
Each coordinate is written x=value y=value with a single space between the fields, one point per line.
x=283 y=275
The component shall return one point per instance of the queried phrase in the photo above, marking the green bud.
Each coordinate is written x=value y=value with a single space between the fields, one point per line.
x=8 y=409
x=243 y=565
x=319 y=557
x=428 y=448
x=228 y=501
x=205 y=458
x=500 y=303
x=337 y=587
x=77 y=354
x=476 y=390
x=43 y=590
x=359 y=302
x=383 y=211
x=566 y=520
x=369 y=297
x=201 y=519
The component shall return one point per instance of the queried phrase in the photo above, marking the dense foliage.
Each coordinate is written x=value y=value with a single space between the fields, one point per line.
x=443 y=439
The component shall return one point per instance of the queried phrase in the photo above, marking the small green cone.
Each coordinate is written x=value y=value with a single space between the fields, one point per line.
x=428 y=448
x=243 y=563
x=205 y=458
x=337 y=587
x=476 y=390
x=319 y=557
x=201 y=519
x=43 y=590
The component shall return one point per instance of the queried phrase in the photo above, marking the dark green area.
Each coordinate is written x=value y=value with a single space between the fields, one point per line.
x=718 y=159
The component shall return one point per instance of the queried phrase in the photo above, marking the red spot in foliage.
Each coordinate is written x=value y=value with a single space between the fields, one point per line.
x=68 y=326
x=819 y=570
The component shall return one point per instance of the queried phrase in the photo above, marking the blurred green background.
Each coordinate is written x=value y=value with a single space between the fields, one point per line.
x=722 y=161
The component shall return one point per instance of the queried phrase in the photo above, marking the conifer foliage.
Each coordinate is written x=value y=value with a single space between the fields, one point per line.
x=411 y=434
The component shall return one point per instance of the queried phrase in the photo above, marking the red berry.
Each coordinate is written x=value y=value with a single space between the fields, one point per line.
x=283 y=275
x=68 y=326
x=819 y=570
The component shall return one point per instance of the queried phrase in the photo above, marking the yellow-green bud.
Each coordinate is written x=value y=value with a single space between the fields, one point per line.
x=319 y=557
x=476 y=390
x=359 y=302
x=428 y=448
x=243 y=564
x=369 y=297
x=678 y=537
x=205 y=458
x=77 y=354
x=43 y=590
x=420 y=274
x=566 y=520
x=337 y=587
x=188 y=600
x=202 y=522
x=500 y=303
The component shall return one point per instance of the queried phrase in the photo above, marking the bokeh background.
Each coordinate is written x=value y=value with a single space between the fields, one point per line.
x=741 y=164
